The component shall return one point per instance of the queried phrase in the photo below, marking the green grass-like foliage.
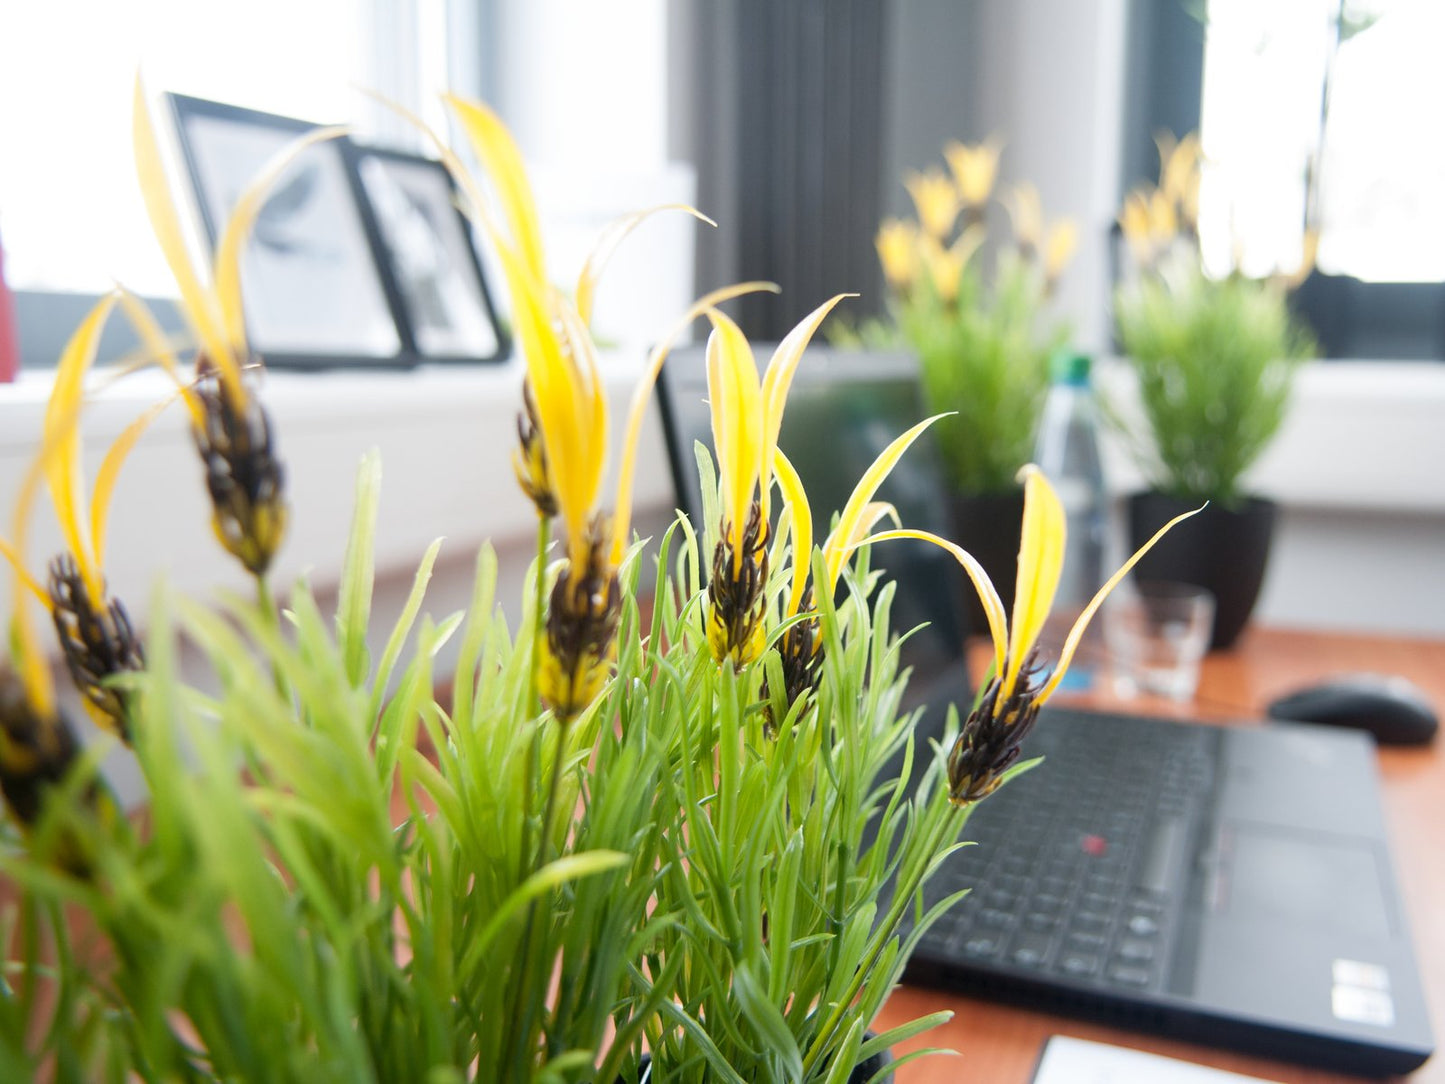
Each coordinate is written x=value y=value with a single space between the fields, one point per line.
x=984 y=356
x=1216 y=360
x=314 y=895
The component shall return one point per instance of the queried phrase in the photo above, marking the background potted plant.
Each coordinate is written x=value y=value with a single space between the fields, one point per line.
x=1215 y=360
x=971 y=299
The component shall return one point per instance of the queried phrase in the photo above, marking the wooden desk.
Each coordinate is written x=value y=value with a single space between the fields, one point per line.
x=999 y=1044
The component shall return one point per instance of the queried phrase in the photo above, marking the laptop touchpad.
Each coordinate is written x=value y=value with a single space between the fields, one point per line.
x=1304 y=879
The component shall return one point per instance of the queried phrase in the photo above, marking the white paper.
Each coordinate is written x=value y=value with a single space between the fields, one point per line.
x=1077 y=1061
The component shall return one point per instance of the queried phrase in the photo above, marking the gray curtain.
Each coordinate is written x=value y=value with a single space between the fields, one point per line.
x=785 y=100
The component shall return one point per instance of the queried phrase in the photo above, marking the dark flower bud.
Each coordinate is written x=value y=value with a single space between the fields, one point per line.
x=735 y=593
x=800 y=650
x=97 y=644
x=243 y=475
x=581 y=630
x=529 y=459
x=989 y=743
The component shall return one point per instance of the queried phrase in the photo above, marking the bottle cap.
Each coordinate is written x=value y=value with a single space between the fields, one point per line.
x=1070 y=367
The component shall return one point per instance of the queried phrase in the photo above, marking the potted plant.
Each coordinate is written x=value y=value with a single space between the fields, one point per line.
x=624 y=843
x=1215 y=360
x=972 y=301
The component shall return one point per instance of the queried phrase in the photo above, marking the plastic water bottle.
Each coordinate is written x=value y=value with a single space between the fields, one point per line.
x=1067 y=451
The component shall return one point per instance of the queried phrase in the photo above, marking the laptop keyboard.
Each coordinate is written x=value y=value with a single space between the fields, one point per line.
x=1075 y=869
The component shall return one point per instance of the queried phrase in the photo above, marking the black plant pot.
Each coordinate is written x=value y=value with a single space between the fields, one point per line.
x=988 y=525
x=1222 y=549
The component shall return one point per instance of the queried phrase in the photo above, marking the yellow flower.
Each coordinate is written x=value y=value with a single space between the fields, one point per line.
x=230 y=428
x=897 y=245
x=989 y=741
x=801 y=646
x=974 y=169
x=1134 y=220
x=747 y=415
x=1027 y=214
x=95 y=633
x=936 y=201
x=1163 y=218
x=944 y=268
x=571 y=411
x=1063 y=239
x=1179 y=168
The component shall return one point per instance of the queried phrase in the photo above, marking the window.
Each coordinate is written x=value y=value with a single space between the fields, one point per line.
x=1350 y=92
x=71 y=218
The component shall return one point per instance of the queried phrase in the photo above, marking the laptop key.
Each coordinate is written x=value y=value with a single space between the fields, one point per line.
x=1030 y=949
x=1135 y=951
x=1129 y=976
x=1142 y=926
x=1079 y=964
x=983 y=945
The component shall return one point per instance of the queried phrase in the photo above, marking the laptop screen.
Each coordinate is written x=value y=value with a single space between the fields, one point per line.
x=844 y=408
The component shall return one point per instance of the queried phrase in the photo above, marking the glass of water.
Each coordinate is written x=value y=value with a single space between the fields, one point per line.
x=1156 y=636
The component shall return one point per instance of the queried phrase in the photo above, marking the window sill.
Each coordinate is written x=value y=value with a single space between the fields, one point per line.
x=445 y=435
x=1361 y=435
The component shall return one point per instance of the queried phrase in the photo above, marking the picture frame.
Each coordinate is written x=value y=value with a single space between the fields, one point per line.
x=330 y=280
x=426 y=245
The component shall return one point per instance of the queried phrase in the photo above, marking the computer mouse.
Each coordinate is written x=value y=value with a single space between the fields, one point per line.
x=1390 y=708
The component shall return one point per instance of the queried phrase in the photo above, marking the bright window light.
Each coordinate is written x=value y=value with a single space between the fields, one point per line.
x=1381 y=165
x=70 y=211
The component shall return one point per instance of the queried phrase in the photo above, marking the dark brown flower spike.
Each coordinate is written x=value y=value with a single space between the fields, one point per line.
x=801 y=653
x=529 y=459
x=243 y=475
x=989 y=742
x=735 y=627
x=98 y=643
x=35 y=752
x=581 y=629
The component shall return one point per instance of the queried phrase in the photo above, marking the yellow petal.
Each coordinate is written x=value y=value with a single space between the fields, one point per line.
x=897 y=245
x=153 y=339
x=974 y=169
x=1063 y=239
x=777 y=381
x=735 y=397
x=1041 y=560
x=109 y=472
x=473 y=201
x=992 y=604
x=935 y=200
x=1179 y=167
x=23 y=577
x=1027 y=213
x=622 y=508
x=1071 y=644
x=61 y=440
x=578 y=476
x=612 y=236
x=502 y=160
x=199 y=307
x=228 y=254
x=944 y=265
x=836 y=548
x=795 y=497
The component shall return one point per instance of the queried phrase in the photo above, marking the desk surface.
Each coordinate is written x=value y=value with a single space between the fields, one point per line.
x=999 y=1044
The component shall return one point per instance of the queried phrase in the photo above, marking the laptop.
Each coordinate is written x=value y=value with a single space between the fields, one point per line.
x=1225 y=885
